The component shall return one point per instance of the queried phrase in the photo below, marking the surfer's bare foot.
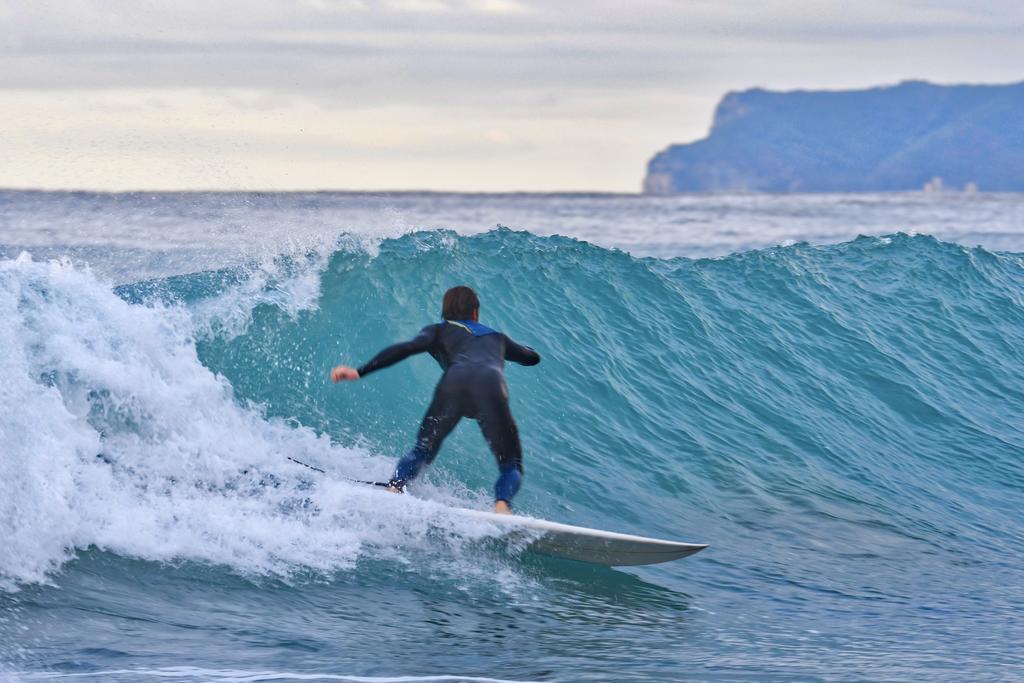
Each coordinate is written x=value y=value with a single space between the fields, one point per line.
x=502 y=507
x=393 y=489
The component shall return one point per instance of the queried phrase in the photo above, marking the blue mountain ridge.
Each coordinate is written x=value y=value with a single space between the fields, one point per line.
x=893 y=138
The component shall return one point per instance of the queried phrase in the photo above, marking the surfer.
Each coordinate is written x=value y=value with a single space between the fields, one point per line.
x=473 y=385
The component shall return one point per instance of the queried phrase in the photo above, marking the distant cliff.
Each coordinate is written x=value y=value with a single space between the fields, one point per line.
x=902 y=137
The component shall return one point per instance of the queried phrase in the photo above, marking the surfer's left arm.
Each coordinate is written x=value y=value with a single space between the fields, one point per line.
x=389 y=356
x=518 y=353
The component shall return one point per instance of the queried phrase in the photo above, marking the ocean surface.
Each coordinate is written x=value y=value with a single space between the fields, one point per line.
x=827 y=389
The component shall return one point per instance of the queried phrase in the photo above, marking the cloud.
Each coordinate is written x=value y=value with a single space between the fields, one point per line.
x=560 y=80
x=323 y=44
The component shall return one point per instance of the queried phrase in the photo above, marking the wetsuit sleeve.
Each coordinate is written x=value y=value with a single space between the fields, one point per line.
x=517 y=353
x=400 y=351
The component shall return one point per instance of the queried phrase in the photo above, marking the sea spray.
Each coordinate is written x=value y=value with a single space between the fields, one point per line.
x=117 y=437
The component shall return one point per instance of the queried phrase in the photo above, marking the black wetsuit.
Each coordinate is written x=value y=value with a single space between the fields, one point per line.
x=473 y=385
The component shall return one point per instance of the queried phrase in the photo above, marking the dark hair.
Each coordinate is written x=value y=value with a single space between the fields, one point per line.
x=459 y=303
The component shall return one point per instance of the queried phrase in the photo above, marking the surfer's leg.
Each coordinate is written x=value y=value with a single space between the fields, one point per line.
x=440 y=420
x=502 y=435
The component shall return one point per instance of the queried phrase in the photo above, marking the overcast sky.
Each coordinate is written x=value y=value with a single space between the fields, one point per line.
x=476 y=95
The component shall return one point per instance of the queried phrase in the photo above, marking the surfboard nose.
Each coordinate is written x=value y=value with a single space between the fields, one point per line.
x=597 y=546
x=614 y=552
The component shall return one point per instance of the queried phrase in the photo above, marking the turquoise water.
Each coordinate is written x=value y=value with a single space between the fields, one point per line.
x=841 y=422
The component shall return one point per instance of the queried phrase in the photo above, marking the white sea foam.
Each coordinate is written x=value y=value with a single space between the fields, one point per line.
x=290 y=282
x=116 y=436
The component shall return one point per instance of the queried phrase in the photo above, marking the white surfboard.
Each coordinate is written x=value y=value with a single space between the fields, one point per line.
x=591 y=545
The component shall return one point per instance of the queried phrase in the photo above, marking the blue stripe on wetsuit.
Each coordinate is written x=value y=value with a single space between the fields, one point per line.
x=508 y=483
x=473 y=327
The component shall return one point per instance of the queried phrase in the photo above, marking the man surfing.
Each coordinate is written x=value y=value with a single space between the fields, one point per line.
x=472 y=357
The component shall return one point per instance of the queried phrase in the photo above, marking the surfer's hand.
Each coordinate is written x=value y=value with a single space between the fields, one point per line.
x=343 y=373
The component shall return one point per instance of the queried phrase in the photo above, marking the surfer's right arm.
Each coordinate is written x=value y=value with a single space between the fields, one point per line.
x=389 y=356
x=520 y=353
